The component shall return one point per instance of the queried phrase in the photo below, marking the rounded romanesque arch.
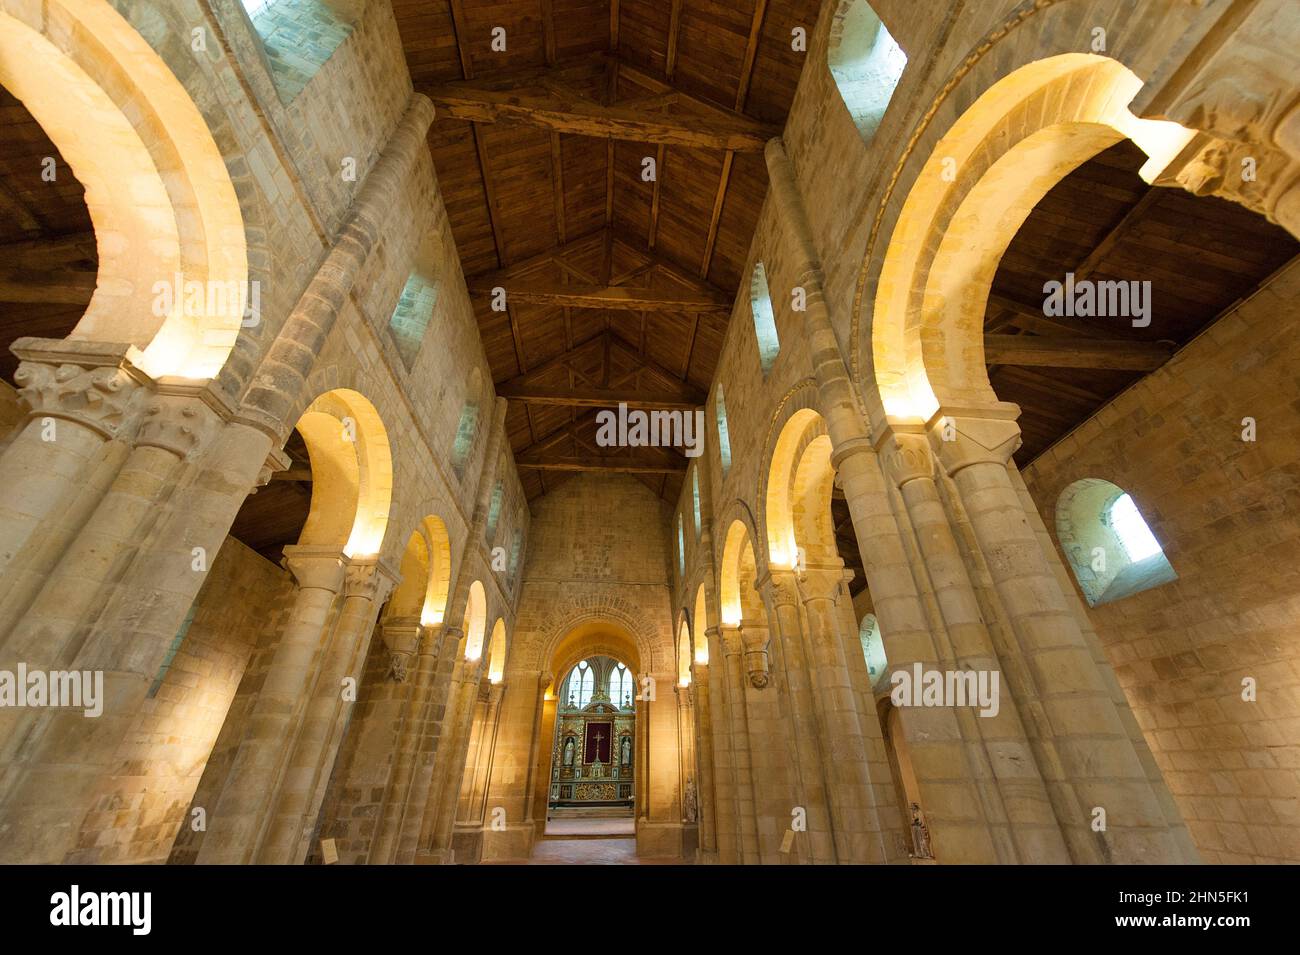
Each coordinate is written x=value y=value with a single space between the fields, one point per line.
x=797 y=409
x=173 y=263
x=352 y=473
x=981 y=180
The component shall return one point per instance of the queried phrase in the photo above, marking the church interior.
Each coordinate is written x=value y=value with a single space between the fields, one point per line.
x=769 y=432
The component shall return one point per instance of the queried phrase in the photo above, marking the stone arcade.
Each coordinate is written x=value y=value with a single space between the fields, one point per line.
x=312 y=314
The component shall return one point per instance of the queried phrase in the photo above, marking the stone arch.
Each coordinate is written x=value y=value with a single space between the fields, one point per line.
x=737 y=572
x=352 y=473
x=435 y=599
x=475 y=620
x=798 y=404
x=156 y=187
x=684 y=652
x=606 y=616
x=496 y=665
x=983 y=177
x=700 y=626
x=408 y=597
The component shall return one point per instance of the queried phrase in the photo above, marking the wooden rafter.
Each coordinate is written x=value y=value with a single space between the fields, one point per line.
x=612 y=465
x=1059 y=352
x=581 y=117
x=675 y=399
x=544 y=291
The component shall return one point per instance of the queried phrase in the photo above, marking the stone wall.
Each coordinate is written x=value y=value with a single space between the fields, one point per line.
x=1227 y=513
x=142 y=807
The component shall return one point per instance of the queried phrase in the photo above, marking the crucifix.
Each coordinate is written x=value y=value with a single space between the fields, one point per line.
x=598 y=739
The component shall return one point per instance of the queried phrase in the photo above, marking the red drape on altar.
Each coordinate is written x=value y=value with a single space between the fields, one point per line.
x=596 y=745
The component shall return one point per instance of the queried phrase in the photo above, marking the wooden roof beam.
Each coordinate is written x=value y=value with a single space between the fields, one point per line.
x=1060 y=352
x=611 y=465
x=543 y=291
x=683 y=398
x=552 y=109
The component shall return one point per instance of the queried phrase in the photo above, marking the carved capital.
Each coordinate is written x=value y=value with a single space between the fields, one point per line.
x=906 y=457
x=755 y=640
x=729 y=636
x=822 y=582
x=315 y=568
x=369 y=579
x=960 y=442
x=181 y=425
x=95 y=397
x=399 y=666
x=400 y=634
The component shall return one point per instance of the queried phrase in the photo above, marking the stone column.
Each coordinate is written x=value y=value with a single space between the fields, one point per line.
x=236 y=825
x=518 y=772
x=726 y=807
x=442 y=812
x=704 y=761
x=743 y=790
x=424 y=643
x=1023 y=812
x=1098 y=763
x=110 y=606
x=687 y=771
x=431 y=748
x=63 y=457
x=295 y=808
x=810 y=743
x=866 y=824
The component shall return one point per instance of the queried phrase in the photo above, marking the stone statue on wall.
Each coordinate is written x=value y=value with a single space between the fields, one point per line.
x=920 y=834
x=689 y=802
x=568 y=753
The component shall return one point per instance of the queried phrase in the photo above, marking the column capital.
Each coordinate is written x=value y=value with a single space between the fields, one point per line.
x=369 y=578
x=729 y=635
x=906 y=454
x=182 y=415
x=961 y=440
x=779 y=586
x=822 y=582
x=320 y=568
x=90 y=383
x=401 y=634
x=755 y=638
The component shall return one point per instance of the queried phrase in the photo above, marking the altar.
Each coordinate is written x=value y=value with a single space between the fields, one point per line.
x=592 y=761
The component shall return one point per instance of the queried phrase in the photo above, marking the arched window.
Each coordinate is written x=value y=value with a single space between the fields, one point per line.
x=760 y=303
x=586 y=683
x=467 y=427
x=681 y=549
x=724 y=442
x=494 y=509
x=865 y=62
x=412 y=316
x=873 y=648
x=516 y=544
x=695 y=494
x=1108 y=543
x=298 y=37
x=620 y=686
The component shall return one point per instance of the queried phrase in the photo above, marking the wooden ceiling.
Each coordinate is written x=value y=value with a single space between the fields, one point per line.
x=1103 y=222
x=48 y=258
x=618 y=284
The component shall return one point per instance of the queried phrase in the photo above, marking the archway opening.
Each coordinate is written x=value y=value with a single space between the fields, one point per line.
x=593 y=764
